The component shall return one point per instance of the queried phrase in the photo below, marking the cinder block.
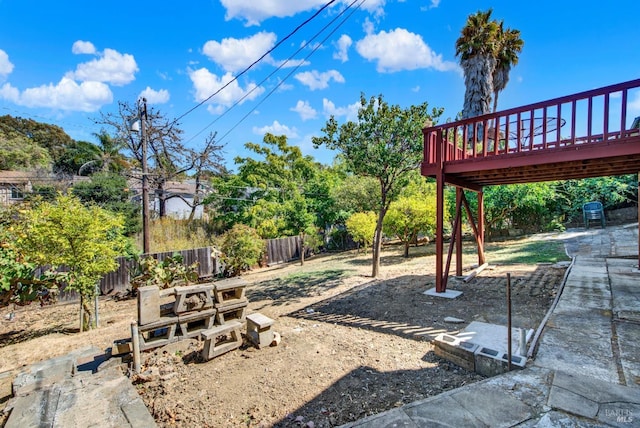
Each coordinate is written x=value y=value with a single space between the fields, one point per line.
x=259 y=329
x=193 y=324
x=221 y=339
x=490 y=362
x=193 y=298
x=228 y=291
x=231 y=312
x=148 y=304
x=121 y=347
x=455 y=350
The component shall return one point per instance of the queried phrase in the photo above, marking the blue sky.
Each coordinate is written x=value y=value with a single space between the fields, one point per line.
x=67 y=62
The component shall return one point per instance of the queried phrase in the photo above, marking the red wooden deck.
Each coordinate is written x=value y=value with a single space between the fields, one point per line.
x=589 y=134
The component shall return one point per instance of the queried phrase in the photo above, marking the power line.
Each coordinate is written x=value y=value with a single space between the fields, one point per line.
x=290 y=58
x=305 y=22
x=315 y=48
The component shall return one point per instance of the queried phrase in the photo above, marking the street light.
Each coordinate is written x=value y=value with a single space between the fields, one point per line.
x=139 y=125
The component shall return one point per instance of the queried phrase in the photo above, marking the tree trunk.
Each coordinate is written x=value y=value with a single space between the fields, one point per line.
x=377 y=240
x=406 y=249
x=301 y=240
x=86 y=322
x=478 y=81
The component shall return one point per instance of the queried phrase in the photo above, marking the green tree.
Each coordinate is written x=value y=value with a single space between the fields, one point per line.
x=51 y=137
x=410 y=216
x=84 y=240
x=18 y=152
x=268 y=186
x=241 y=248
x=75 y=155
x=301 y=222
x=111 y=192
x=509 y=47
x=362 y=227
x=106 y=156
x=477 y=48
x=356 y=193
x=384 y=143
x=18 y=284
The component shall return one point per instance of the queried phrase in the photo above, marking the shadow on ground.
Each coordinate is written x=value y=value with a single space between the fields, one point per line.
x=19 y=336
x=399 y=306
x=366 y=391
x=291 y=288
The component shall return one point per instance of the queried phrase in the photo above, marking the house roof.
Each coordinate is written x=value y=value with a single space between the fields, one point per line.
x=14 y=177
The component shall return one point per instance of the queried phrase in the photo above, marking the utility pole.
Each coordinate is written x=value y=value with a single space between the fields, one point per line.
x=142 y=114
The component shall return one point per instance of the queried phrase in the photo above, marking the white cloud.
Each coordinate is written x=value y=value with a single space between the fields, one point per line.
x=400 y=50
x=254 y=12
x=111 y=67
x=433 y=5
x=82 y=47
x=316 y=80
x=236 y=54
x=206 y=83
x=288 y=63
x=6 y=67
x=276 y=128
x=415 y=88
x=304 y=109
x=10 y=93
x=342 y=48
x=350 y=112
x=66 y=95
x=375 y=7
x=155 y=97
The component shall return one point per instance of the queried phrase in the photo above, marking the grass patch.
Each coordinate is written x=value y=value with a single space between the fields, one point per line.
x=526 y=251
x=297 y=285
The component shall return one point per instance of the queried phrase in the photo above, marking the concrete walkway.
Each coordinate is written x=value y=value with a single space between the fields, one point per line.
x=586 y=372
x=79 y=389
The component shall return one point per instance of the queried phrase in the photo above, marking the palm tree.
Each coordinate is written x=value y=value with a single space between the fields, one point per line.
x=107 y=156
x=509 y=46
x=477 y=47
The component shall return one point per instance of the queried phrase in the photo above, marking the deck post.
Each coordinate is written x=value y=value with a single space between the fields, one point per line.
x=458 y=231
x=441 y=284
x=480 y=234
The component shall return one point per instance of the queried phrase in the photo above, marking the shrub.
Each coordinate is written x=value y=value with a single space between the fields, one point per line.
x=241 y=248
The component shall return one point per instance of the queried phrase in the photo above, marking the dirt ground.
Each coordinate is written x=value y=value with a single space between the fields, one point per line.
x=351 y=345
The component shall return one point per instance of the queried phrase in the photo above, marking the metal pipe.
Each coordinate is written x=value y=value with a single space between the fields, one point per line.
x=509 y=321
x=135 y=341
x=523 y=342
x=142 y=113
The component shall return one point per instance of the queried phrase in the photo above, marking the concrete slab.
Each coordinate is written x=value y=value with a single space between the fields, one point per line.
x=629 y=347
x=570 y=402
x=448 y=294
x=553 y=419
x=43 y=375
x=580 y=353
x=443 y=411
x=580 y=298
x=37 y=409
x=481 y=400
x=494 y=336
x=393 y=418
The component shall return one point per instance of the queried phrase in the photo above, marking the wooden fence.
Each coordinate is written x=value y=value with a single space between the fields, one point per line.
x=281 y=250
x=118 y=280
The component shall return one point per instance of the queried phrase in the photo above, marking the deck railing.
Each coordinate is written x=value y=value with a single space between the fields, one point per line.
x=589 y=117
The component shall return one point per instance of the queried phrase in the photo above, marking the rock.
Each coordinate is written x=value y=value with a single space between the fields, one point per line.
x=276 y=339
x=453 y=320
